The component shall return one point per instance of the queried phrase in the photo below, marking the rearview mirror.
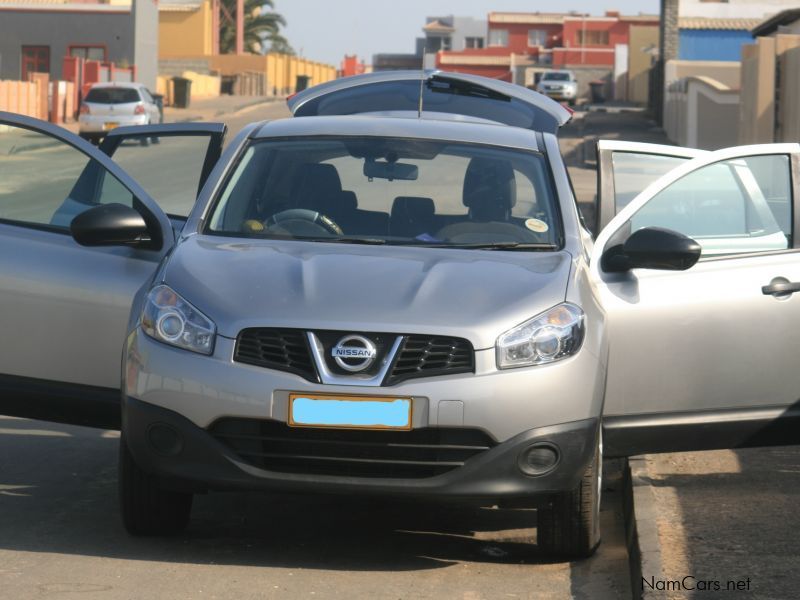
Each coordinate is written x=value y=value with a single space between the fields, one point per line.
x=390 y=170
x=652 y=248
x=110 y=225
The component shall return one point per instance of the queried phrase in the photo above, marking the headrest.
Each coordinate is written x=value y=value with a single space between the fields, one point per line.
x=347 y=200
x=320 y=178
x=412 y=208
x=489 y=186
x=318 y=187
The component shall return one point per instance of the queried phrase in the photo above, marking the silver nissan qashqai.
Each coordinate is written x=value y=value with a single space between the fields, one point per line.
x=393 y=293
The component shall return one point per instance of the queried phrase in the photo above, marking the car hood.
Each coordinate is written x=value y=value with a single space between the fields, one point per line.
x=474 y=294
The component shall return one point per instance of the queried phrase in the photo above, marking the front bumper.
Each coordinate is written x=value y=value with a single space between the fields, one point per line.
x=565 y=94
x=195 y=461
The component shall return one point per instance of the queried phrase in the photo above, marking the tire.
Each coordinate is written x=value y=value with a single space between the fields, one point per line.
x=570 y=526
x=145 y=141
x=148 y=509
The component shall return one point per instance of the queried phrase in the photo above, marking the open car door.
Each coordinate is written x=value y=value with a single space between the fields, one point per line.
x=64 y=308
x=706 y=357
x=432 y=92
x=624 y=169
x=190 y=149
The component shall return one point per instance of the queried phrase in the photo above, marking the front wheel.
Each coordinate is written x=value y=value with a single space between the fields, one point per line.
x=570 y=525
x=148 y=509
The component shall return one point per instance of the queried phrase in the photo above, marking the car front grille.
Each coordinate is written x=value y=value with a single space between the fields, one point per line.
x=426 y=356
x=414 y=454
x=281 y=349
x=418 y=355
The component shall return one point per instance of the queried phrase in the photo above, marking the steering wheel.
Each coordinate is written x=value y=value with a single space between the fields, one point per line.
x=303 y=221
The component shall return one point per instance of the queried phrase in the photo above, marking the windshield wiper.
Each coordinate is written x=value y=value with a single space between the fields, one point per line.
x=343 y=240
x=495 y=246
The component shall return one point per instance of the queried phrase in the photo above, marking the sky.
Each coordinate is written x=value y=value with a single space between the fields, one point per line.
x=326 y=30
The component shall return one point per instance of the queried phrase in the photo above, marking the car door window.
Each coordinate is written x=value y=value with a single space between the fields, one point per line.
x=169 y=168
x=733 y=206
x=626 y=169
x=170 y=161
x=50 y=197
x=634 y=171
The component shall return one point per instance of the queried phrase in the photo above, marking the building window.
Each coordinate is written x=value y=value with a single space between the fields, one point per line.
x=35 y=59
x=473 y=42
x=592 y=38
x=498 y=37
x=435 y=44
x=89 y=52
x=537 y=37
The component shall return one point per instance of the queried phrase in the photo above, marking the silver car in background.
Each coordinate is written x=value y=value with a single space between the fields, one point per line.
x=559 y=85
x=111 y=105
x=364 y=299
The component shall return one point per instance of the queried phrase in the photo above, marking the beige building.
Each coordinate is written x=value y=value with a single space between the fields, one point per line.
x=643 y=47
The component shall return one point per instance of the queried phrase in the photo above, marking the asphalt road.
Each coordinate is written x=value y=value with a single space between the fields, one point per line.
x=61 y=537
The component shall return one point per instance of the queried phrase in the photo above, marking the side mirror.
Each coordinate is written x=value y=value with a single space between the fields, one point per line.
x=110 y=225
x=652 y=248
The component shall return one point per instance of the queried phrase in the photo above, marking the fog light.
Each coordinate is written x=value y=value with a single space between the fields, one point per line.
x=538 y=459
x=165 y=440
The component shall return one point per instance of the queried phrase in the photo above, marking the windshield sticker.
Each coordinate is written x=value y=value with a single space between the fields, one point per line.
x=537 y=225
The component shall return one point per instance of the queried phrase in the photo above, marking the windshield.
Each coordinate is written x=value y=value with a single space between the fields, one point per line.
x=112 y=96
x=390 y=191
x=556 y=76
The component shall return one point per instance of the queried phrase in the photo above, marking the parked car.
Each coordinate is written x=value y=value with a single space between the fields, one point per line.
x=559 y=85
x=396 y=303
x=111 y=105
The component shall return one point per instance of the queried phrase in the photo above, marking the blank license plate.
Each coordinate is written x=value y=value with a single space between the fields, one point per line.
x=349 y=412
x=108 y=126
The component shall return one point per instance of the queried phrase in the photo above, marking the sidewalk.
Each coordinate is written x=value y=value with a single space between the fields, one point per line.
x=211 y=109
x=723 y=521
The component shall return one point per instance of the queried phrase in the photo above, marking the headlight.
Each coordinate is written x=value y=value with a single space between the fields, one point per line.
x=170 y=319
x=548 y=337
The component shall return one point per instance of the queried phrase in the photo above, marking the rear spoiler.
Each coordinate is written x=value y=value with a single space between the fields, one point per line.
x=443 y=92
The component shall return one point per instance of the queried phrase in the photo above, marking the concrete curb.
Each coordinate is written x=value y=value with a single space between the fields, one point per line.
x=247 y=106
x=35 y=146
x=641 y=528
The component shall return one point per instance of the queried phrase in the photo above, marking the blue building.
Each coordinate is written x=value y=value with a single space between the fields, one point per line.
x=701 y=38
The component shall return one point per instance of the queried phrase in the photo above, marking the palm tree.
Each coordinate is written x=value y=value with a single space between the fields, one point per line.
x=260 y=26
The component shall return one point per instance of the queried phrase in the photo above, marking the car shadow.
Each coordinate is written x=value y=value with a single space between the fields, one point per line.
x=58 y=495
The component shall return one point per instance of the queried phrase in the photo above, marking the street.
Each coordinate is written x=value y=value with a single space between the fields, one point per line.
x=62 y=537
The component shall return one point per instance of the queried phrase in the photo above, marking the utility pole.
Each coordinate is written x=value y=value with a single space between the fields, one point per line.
x=239 y=26
x=583 y=40
x=215 y=27
x=668 y=50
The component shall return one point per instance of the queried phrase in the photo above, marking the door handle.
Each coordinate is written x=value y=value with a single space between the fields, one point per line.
x=780 y=287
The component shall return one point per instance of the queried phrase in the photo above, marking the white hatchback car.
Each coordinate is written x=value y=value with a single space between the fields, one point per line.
x=111 y=105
